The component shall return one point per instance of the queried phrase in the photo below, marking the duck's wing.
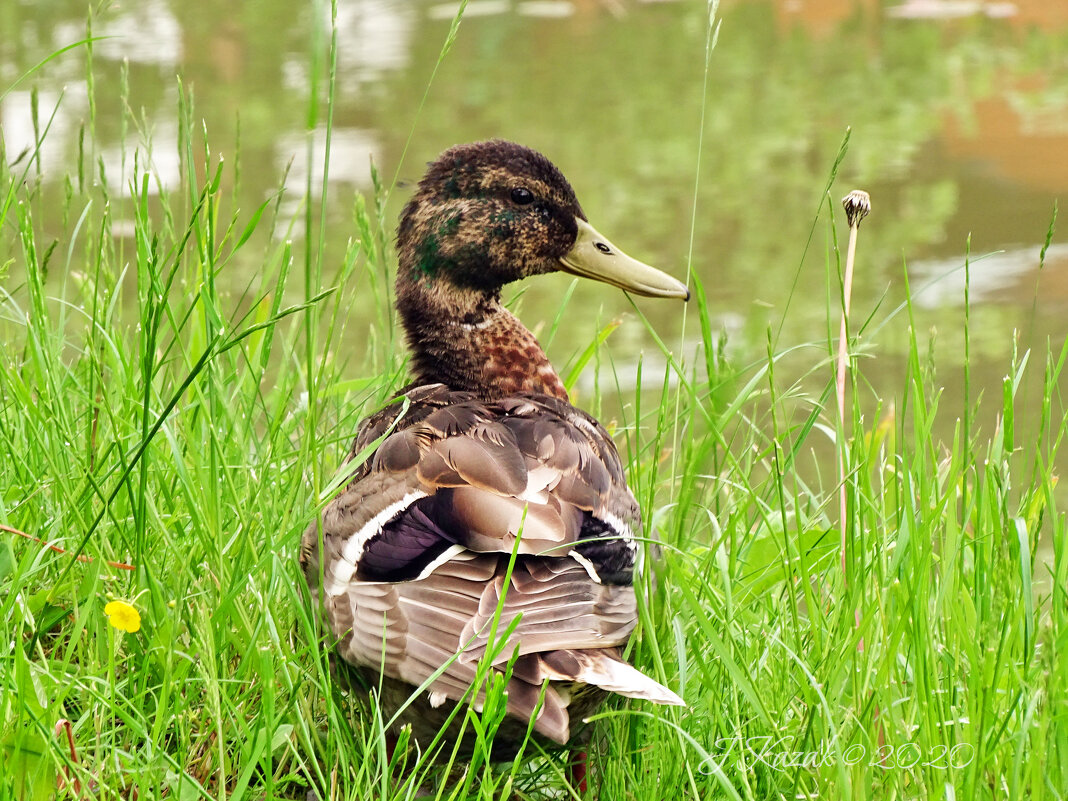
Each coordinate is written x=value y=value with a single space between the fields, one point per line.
x=416 y=560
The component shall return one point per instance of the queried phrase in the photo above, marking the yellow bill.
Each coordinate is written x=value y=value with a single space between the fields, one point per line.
x=595 y=257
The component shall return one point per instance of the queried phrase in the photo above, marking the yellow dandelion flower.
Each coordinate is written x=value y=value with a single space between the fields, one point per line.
x=123 y=616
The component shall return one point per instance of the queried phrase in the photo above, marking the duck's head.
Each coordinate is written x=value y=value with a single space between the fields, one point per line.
x=489 y=213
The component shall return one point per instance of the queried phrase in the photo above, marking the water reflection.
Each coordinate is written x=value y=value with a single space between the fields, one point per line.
x=377 y=37
x=959 y=128
x=145 y=32
x=1006 y=277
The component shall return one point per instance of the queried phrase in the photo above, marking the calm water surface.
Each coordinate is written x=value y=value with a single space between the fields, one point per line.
x=959 y=130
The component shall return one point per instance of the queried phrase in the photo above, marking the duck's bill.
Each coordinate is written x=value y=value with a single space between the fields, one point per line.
x=595 y=257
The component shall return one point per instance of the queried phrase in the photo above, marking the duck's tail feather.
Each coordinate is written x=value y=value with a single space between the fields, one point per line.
x=603 y=668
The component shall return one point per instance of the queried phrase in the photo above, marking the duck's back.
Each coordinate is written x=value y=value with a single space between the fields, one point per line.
x=417 y=556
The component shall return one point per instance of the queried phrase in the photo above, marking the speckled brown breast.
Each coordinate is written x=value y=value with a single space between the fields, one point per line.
x=515 y=366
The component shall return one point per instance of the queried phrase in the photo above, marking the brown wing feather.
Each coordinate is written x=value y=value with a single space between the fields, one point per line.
x=485 y=461
x=560 y=607
x=469 y=476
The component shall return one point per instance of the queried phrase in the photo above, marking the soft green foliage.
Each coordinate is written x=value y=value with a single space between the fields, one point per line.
x=148 y=418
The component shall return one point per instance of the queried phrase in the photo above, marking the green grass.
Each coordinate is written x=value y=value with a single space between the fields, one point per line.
x=149 y=418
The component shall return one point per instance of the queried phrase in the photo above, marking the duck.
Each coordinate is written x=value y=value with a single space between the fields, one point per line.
x=485 y=516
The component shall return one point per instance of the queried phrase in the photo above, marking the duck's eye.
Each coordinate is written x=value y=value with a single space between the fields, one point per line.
x=522 y=196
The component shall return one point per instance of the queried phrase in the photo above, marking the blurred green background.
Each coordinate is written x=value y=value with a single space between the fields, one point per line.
x=958 y=111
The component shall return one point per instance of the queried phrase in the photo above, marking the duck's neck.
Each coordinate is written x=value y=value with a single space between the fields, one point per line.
x=468 y=341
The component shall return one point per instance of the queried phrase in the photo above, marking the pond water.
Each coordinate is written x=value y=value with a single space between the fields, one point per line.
x=958 y=118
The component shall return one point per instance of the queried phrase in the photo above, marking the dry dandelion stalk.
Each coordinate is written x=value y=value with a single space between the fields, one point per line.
x=857 y=206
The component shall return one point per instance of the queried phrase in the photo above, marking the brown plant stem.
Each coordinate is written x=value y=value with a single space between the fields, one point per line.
x=57 y=549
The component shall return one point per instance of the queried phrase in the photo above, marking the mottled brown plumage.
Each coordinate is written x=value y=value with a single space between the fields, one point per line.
x=411 y=562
